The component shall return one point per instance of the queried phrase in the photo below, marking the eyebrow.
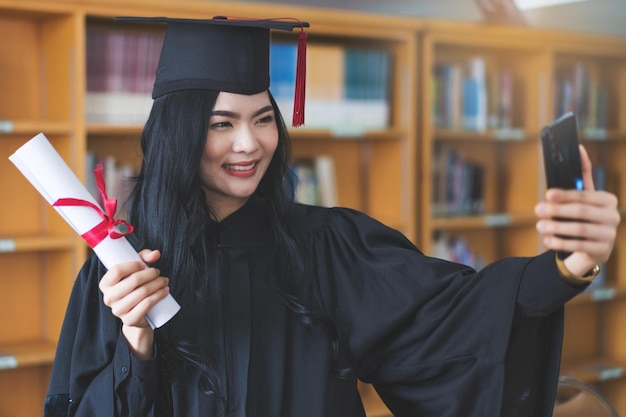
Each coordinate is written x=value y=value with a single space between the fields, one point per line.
x=234 y=115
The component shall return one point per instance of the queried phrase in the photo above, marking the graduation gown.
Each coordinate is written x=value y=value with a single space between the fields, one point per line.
x=434 y=338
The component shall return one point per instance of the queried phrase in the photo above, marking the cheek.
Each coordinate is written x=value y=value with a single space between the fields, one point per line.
x=270 y=142
x=213 y=153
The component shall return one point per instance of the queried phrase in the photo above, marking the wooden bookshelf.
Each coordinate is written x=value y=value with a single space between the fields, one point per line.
x=600 y=63
x=39 y=254
x=48 y=84
x=595 y=341
x=387 y=171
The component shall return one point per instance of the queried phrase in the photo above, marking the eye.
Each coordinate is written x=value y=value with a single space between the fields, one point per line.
x=220 y=125
x=266 y=119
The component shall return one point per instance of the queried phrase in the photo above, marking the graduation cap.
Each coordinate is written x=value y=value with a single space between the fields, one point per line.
x=223 y=54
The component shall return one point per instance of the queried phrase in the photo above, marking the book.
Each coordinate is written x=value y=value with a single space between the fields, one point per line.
x=316 y=181
x=283 y=59
x=449 y=82
x=121 y=69
x=475 y=96
x=500 y=93
x=367 y=85
x=579 y=88
x=324 y=85
x=458 y=184
x=456 y=249
x=347 y=88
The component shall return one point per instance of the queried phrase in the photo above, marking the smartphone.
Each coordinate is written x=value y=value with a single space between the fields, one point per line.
x=561 y=157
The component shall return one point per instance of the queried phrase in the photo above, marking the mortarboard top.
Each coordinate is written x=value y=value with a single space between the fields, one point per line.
x=222 y=54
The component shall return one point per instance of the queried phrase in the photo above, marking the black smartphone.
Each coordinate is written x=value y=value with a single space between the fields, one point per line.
x=561 y=156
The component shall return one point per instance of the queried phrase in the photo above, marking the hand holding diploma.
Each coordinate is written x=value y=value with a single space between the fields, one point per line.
x=44 y=168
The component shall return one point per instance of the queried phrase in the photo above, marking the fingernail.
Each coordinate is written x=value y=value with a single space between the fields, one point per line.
x=540 y=209
x=541 y=226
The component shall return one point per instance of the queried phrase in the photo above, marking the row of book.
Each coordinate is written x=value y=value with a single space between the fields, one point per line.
x=346 y=87
x=579 y=89
x=467 y=96
x=316 y=181
x=121 y=68
x=456 y=249
x=458 y=184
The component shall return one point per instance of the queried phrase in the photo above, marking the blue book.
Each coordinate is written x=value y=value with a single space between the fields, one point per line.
x=475 y=97
x=283 y=60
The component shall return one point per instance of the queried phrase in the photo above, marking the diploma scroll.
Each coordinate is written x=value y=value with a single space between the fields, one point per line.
x=41 y=164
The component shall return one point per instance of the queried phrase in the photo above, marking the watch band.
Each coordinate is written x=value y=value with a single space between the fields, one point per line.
x=575 y=279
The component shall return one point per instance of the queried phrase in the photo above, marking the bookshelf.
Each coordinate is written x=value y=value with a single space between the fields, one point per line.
x=385 y=169
x=39 y=255
x=551 y=72
x=595 y=343
x=49 y=78
x=462 y=127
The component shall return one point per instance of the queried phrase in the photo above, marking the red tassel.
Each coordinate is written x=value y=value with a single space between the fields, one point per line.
x=298 y=100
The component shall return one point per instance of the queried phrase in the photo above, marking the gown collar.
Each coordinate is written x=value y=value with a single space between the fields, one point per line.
x=246 y=227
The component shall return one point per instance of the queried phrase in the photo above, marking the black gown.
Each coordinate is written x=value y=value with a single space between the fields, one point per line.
x=434 y=338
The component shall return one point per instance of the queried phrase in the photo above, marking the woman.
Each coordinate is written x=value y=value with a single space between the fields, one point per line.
x=285 y=306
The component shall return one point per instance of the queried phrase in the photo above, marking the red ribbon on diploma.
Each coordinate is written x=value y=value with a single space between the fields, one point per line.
x=109 y=225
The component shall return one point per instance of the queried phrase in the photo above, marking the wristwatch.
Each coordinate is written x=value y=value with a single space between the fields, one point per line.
x=575 y=279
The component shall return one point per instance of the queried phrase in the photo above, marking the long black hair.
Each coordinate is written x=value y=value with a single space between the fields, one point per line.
x=168 y=206
x=169 y=210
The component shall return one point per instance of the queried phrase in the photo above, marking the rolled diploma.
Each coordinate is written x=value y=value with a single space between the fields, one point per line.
x=41 y=164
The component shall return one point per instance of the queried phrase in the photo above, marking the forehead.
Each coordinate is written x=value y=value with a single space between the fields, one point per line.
x=242 y=102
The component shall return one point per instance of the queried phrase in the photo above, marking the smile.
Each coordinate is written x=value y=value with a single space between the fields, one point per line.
x=239 y=167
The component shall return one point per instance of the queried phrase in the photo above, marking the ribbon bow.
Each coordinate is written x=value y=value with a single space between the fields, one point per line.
x=109 y=225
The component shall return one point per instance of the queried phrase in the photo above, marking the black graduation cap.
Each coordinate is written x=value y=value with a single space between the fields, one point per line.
x=223 y=54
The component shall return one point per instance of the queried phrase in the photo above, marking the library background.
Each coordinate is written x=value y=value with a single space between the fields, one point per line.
x=447 y=152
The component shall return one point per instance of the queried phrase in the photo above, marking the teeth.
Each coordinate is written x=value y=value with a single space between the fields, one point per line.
x=239 y=167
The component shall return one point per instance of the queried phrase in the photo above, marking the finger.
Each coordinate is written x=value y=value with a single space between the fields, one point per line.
x=586 y=213
x=118 y=272
x=597 y=250
x=151 y=290
x=149 y=256
x=136 y=316
x=554 y=197
x=129 y=284
x=578 y=230
x=587 y=168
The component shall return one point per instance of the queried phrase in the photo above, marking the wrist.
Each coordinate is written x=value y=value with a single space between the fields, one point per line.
x=568 y=273
x=140 y=341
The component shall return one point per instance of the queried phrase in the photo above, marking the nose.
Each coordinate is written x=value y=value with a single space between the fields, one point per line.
x=245 y=142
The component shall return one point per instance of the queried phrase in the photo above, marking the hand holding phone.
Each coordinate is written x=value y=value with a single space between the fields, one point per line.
x=561 y=157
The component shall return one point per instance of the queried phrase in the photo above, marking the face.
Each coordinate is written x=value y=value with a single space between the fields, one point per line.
x=240 y=144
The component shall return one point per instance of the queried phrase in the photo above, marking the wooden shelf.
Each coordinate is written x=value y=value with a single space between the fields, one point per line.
x=386 y=173
x=110 y=129
x=611 y=135
x=595 y=370
x=599 y=295
x=486 y=221
x=503 y=135
x=106 y=130
x=36 y=243
x=21 y=127
x=365 y=135
x=26 y=354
